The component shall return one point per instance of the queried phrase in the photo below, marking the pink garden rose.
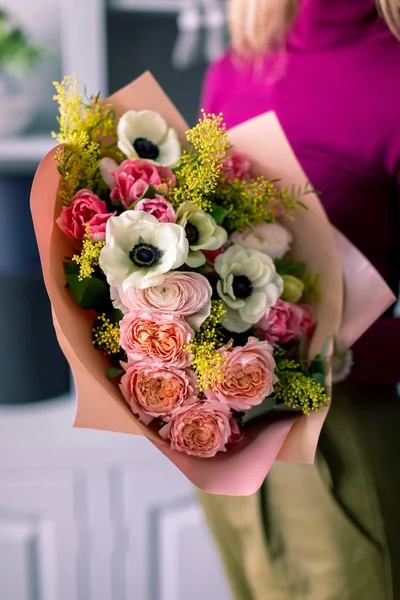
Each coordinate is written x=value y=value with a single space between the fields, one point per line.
x=129 y=181
x=158 y=337
x=159 y=207
x=282 y=323
x=185 y=295
x=202 y=430
x=307 y=322
x=248 y=376
x=153 y=391
x=236 y=166
x=237 y=432
x=86 y=209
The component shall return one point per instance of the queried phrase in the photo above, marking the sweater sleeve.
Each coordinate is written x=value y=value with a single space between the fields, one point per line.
x=377 y=353
x=217 y=82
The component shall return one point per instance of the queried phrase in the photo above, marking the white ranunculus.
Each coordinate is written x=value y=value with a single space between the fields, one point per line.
x=202 y=232
x=249 y=285
x=271 y=238
x=145 y=134
x=140 y=250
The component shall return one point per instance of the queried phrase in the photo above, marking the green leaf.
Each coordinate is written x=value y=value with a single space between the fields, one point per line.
x=71 y=268
x=118 y=204
x=115 y=315
x=286 y=267
x=317 y=365
x=114 y=372
x=88 y=291
x=302 y=349
x=325 y=349
x=319 y=378
x=219 y=213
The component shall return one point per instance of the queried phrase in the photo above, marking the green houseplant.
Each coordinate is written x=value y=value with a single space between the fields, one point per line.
x=19 y=59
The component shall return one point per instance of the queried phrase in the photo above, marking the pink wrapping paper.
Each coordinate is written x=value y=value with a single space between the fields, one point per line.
x=242 y=469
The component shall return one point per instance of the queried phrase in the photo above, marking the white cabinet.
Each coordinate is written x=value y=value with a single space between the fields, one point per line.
x=87 y=515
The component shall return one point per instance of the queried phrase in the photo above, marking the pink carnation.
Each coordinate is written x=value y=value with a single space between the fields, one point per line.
x=158 y=337
x=202 y=430
x=153 y=391
x=211 y=255
x=159 y=207
x=236 y=166
x=308 y=322
x=249 y=376
x=86 y=209
x=282 y=323
x=181 y=294
x=129 y=181
x=237 y=432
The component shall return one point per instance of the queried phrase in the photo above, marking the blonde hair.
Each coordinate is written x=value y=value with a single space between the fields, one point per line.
x=257 y=25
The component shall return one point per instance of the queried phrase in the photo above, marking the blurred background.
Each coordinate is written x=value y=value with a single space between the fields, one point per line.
x=83 y=514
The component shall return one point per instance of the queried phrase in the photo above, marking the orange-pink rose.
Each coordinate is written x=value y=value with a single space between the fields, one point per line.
x=159 y=337
x=154 y=392
x=249 y=376
x=202 y=430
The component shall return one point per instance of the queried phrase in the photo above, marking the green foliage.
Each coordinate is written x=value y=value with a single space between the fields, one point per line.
x=16 y=52
x=86 y=292
x=218 y=213
x=297 y=388
x=312 y=292
x=114 y=372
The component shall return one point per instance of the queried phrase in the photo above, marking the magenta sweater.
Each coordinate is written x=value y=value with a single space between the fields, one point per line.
x=336 y=91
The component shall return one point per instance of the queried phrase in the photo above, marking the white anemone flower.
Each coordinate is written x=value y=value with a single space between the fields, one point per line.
x=145 y=134
x=140 y=250
x=202 y=233
x=249 y=286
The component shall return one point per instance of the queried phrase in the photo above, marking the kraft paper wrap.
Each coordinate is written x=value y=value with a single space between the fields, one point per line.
x=242 y=469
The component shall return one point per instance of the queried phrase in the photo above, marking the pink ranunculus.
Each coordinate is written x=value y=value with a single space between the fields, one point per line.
x=282 y=323
x=202 y=430
x=133 y=177
x=153 y=391
x=159 y=207
x=249 y=375
x=307 y=323
x=159 y=337
x=86 y=209
x=237 y=432
x=236 y=166
x=185 y=295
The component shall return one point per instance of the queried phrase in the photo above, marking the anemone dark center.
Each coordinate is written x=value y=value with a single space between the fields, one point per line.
x=242 y=287
x=145 y=255
x=146 y=149
x=192 y=234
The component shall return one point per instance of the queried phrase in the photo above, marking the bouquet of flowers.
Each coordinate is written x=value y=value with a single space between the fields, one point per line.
x=207 y=283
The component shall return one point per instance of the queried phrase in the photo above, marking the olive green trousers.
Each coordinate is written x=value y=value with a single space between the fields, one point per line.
x=324 y=532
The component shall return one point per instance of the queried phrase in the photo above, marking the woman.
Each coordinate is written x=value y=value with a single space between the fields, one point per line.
x=331 y=71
